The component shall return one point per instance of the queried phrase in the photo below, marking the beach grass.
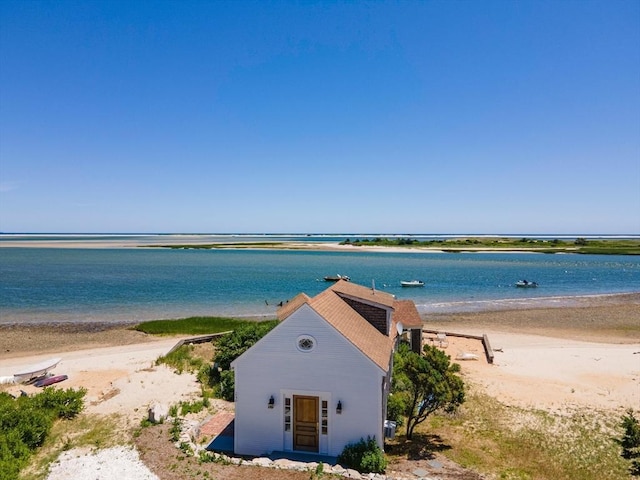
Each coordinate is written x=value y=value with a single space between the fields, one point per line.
x=516 y=443
x=190 y=326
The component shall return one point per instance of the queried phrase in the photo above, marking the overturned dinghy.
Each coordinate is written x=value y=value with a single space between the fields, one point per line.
x=36 y=371
x=467 y=356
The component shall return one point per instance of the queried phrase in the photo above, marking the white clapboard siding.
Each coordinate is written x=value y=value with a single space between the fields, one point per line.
x=335 y=370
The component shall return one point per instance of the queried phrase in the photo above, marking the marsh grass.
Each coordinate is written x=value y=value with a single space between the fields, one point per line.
x=515 y=443
x=190 y=326
x=90 y=431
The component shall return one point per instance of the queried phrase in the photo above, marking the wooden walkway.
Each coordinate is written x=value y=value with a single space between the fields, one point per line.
x=488 y=351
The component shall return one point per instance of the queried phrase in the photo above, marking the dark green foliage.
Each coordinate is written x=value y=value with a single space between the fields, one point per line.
x=61 y=403
x=25 y=423
x=230 y=347
x=226 y=386
x=396 y=406
x=364 y=456
x=630 y=441
x=423 y=384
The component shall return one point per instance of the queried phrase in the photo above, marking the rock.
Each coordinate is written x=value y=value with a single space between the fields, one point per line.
x=158 y=412
x=420 y=472
x=262 y=461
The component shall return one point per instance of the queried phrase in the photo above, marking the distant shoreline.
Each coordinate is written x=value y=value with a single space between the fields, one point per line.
x=618 y=244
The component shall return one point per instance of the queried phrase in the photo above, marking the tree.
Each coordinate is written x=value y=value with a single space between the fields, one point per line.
x=630 y=441
x=427 y=383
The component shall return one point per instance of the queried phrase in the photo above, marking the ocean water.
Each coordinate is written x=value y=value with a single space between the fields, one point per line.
x=129 y=285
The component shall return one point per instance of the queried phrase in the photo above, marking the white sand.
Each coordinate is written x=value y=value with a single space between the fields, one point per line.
x=553 y=374
x=123 y=380
x=117 y=463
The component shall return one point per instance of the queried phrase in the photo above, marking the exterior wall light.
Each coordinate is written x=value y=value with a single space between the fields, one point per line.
x=272 y=402
x=339 y=407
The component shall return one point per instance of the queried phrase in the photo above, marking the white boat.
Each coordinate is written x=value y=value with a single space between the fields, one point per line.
x=412 y=283
x=332 y=278
x=36 y=371
x=526 y=284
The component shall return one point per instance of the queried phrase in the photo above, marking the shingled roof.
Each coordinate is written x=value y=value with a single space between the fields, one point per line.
x=331 y=306
x=406 y=313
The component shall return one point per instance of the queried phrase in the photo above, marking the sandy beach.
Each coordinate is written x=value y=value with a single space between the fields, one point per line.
x=554 y=359
x=588 y=355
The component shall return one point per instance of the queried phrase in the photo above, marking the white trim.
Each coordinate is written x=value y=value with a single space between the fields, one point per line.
x=306 y=337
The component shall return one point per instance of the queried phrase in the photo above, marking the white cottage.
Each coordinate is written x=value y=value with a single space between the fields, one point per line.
x=320 y=379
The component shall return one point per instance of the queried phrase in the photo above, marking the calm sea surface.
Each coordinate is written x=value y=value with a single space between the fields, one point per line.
x=128 y=284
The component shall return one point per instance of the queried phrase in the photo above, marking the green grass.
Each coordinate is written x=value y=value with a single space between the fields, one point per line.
x=515 y=443
x=190 y=326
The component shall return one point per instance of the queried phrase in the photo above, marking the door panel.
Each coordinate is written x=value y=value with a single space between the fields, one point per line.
x=305 y=426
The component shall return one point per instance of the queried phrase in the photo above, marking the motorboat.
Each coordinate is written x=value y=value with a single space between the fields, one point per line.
x=526 y=284
x=335 y=278
x=412 y=283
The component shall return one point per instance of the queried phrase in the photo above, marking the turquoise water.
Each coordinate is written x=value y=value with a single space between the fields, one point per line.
x=51 y=284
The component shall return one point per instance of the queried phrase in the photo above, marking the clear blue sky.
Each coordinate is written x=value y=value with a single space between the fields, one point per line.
x=273 y=116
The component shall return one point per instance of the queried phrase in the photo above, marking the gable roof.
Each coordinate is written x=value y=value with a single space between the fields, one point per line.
x=292 y=305
x=365 y=293
x=331 y=306
x=364 y=336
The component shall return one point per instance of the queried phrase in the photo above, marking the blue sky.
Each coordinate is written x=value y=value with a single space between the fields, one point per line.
x=273 y=116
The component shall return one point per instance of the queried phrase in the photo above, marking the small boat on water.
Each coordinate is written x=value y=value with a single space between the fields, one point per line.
x=526 y=284
x=335 y=278
x=412 y=283
x=45 y=382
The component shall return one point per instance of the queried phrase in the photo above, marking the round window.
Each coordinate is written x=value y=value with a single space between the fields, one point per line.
x=306 y=343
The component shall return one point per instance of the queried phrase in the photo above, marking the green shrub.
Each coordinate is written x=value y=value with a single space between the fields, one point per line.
x=396 y=406
x=364 y=456
x=26 y=421
x=60 y=403
x=630 y=442
x=226 y=386
x=175 y=430
x=230 y=347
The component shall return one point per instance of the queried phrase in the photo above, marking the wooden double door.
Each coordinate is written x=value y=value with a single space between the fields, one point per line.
x=306 y=430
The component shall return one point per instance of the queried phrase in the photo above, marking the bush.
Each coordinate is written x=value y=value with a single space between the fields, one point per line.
x=630 y=442
x=396 y=406
x=364 y=456
x=60 y=403
x=25 y=423
x=230 y=347
x=226 y=387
